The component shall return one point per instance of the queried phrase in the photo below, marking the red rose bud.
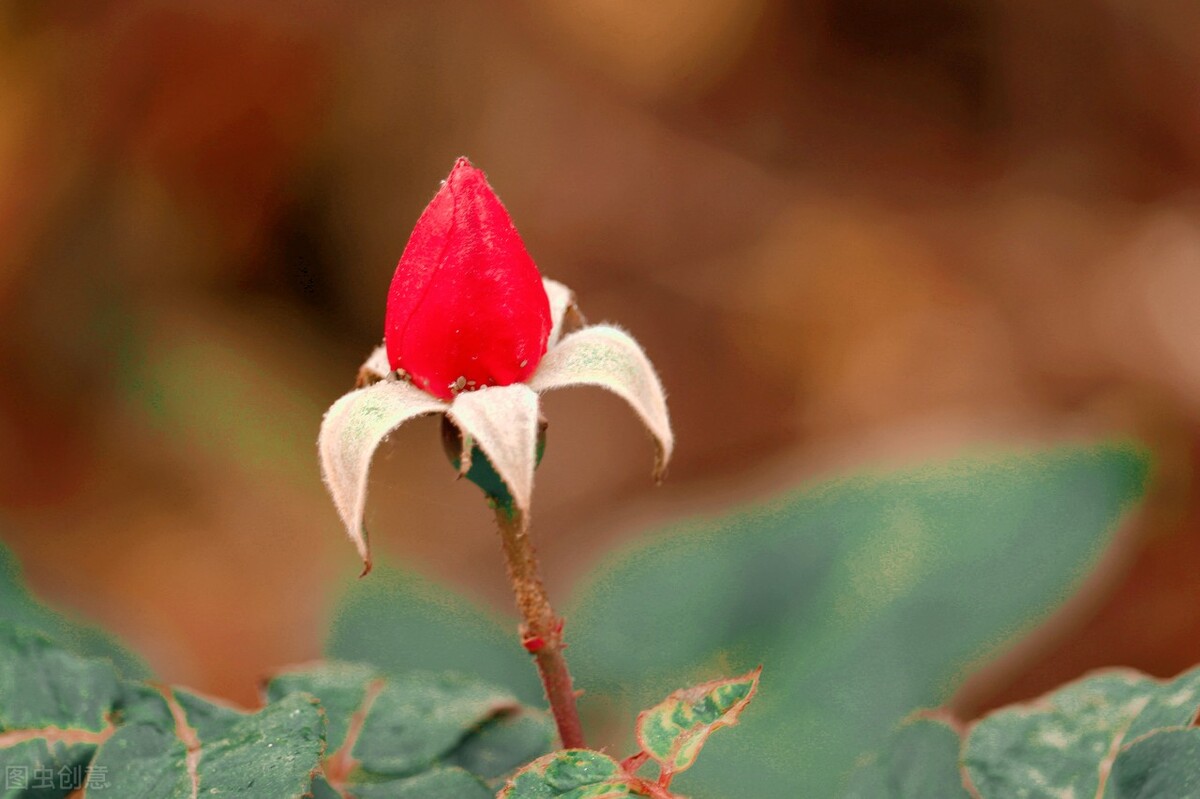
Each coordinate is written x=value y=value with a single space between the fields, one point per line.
x=466 y=308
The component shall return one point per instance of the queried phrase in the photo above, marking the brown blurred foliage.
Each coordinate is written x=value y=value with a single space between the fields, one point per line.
x=846 y=231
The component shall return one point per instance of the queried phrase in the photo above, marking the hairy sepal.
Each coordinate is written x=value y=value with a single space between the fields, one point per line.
x=503 y=422
x=352 y=430
x=610 y=358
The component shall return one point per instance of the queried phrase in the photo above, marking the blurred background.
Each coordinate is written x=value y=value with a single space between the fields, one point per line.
x=847 y=232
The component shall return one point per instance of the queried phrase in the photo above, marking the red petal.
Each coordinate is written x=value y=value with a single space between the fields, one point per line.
x=467 y=307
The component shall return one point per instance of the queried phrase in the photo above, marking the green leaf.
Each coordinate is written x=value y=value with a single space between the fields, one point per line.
x=864 y=598
x=322 y=790
x=272 y=754
x=391 y=733
x=673 y=731
x=71 y=721
x=42 y=685
x=55 y=709
x=41 y=769
x=503 y=743
x=20 y=608
x=919 y=761
x=401 y=622
x=58 y=717
x=442 y=783
x=1159 y=766
x=1062 y=744
x=341 y=688
x=570 y=774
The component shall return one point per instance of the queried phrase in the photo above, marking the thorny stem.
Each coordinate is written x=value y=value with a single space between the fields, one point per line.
x=541 y=629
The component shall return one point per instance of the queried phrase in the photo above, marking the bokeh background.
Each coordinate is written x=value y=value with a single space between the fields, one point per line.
x=848 y=232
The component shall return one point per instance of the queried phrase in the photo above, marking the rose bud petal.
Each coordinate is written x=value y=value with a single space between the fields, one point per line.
x=467 y=307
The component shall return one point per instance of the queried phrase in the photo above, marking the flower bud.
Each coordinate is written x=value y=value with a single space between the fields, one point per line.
x=467 y=307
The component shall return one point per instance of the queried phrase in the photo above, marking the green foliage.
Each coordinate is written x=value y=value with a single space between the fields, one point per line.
x=864 y=598
x=673 y=731
x=570 y=774
x=62 y=710
x=66 y=719
x=385 y=732
x=44 y=686
x=54 y=708
x=437 y=784
x=273 y=753
x=1119 y=735
x=1061 y=742
x=19 y=607
x=1159 y=765
x=919 y=760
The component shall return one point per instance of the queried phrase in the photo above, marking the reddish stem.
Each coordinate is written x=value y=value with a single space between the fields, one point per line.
x=634 y=762
x=541 y=630
x=652 y=789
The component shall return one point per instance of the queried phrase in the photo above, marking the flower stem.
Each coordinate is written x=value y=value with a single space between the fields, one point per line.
x=541 y=629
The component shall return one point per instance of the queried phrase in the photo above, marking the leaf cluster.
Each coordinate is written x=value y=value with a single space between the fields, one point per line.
x=70 y=725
